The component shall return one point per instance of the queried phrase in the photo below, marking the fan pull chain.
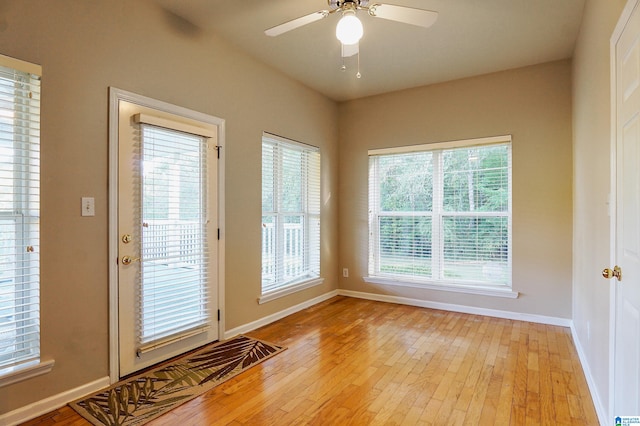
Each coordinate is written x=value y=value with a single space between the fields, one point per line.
x=344 y=66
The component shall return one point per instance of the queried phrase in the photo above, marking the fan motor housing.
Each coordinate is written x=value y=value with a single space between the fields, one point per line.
x=338 y=4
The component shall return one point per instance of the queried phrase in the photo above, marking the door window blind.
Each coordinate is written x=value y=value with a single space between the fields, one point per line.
x=442 y=215
x=173 y=295
x=19 y=212
x=290 y=213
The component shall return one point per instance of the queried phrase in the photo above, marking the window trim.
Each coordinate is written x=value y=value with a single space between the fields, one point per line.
x=291 y=288
x=498 y=290
x=463 y=143
x=27 y=370
x=309 y=280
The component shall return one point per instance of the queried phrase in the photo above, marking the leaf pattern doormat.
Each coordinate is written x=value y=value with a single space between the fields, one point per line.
x=146 y=396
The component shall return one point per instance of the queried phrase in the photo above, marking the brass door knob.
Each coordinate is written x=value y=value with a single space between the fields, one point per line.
x=127 y=260
x=616 y=272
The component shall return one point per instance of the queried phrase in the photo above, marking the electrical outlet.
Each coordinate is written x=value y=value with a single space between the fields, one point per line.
x=88 y=206
x=345 y=272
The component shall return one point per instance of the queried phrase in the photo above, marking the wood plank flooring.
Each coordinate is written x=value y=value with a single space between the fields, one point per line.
x=359 y=362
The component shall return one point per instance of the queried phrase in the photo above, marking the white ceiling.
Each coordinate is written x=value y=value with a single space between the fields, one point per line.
x=470 y=37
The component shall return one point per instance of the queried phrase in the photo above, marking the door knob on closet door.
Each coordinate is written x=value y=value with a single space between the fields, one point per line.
x=609 y=273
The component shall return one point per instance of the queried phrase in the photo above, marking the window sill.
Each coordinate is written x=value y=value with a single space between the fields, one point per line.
x=276 y=294
x=24 y=371
x=456 y=288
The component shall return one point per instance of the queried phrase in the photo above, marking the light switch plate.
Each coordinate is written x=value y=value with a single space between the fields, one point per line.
x=88 y=206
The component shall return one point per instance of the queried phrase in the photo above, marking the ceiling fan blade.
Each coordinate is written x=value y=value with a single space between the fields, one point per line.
x=350 y=50
x=407 y=15
x=296 y=23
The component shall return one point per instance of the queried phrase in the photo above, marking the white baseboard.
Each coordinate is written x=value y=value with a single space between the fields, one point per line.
x=52 y=403
x=541 y=319
x=278 y=315
x=595 y=395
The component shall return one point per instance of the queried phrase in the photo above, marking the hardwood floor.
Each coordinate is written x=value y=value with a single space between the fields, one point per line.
x=352 y=361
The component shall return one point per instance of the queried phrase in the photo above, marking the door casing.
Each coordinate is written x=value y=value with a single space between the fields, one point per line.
x=115 y=96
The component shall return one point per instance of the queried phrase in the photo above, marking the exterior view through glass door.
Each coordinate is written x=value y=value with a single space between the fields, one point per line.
x=167 y=223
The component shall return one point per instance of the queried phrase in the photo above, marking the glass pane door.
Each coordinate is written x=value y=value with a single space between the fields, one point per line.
x=174 y=274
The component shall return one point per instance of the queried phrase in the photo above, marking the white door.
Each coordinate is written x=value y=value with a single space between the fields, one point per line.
x=167 y=235
x=626 y=392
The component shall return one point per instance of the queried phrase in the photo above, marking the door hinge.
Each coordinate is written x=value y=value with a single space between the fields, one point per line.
x=218 y=148
x=218 y=233
x=218 y=314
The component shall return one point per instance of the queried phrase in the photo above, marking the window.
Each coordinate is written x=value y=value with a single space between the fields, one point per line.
x=441 y=214
x=290 y=215
x=19 y=213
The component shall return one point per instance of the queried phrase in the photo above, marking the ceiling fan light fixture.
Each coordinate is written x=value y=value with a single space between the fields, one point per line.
x=349 y=29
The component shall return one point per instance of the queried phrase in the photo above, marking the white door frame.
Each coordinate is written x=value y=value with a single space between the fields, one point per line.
x=613 y=293
x=115 y=96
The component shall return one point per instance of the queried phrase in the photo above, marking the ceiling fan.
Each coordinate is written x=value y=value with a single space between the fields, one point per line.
x=349 y=30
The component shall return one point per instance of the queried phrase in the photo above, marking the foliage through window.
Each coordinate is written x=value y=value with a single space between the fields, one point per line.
x=290 y=213
x=19 y=212
x=441 y=215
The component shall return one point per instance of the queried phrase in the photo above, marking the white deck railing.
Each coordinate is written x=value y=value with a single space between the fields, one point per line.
x=292 y=251
x=180 y=241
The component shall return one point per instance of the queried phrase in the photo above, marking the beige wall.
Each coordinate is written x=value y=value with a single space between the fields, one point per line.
x=592 y=148
x=534 y=105
x=86 y=46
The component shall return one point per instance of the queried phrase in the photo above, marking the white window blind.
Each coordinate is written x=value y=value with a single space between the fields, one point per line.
x=290 y=213
x=173 y=296
x=19 y=212
x=441 y=215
